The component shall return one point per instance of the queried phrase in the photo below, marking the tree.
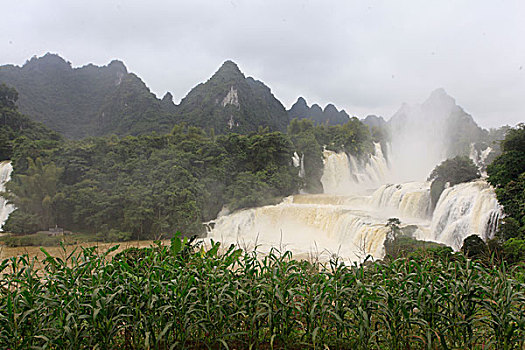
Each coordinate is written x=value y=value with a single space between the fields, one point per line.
x=507 y=175
x=474 y=247
x=454 y=171
x=8 y=97
x=35 y=193
x=392 y=235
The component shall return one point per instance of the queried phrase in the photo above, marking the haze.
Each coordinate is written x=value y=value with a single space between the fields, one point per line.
x=364 y=56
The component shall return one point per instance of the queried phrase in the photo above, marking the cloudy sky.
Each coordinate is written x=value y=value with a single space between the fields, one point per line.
x=364 y=56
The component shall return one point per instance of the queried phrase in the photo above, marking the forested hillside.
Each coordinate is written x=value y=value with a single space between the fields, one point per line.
x=153 y=185
x=230 y=102
x=507 y=175
x=21 y=137
x=87 y=101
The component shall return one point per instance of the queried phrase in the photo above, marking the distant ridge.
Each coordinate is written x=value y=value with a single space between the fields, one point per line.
x=86 y=101
x=330 y=115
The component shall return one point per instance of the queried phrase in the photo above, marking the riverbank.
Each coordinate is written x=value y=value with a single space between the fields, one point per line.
x=62 y=252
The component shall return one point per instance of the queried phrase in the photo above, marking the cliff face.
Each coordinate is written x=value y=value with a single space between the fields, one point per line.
x=231 y=102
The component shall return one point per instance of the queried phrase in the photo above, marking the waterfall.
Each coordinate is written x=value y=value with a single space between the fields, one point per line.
x=465 y=209
x=408 y=200
x=5 y=176
x=298 y=162
x=479 y=157
x=305 y=226
x=350 y=221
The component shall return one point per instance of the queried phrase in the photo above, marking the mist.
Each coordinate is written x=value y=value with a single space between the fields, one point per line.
x=366 y=57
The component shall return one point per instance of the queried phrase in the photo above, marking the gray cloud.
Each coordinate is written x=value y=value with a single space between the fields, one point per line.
x=364 y=56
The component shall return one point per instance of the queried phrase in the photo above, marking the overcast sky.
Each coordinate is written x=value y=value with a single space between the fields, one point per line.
x=364 y=56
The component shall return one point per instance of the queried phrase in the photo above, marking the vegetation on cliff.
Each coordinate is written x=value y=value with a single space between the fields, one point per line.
x=20 y=136
x=230 y=102
x=86 y=101
x=507 y=175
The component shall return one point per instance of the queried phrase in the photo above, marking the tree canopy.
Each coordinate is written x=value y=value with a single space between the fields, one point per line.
x=507 y=175
x=454 y=171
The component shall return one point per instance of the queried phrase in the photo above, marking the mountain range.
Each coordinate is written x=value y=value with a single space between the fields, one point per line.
x=96 y=101
x=329 y=115
x=86 y=101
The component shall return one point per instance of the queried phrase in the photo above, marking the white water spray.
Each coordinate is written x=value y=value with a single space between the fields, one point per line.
x=346 y=174
x=465 y=209
x=5 y=176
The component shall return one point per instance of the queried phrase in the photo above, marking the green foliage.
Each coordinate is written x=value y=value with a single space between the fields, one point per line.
x=474 y=247
x=352 y=137
x=514 y=250
x=399 y=242
x=35 y=195
x=86 y=101
x=251 y=104
x=507 y=175
x=408 y=247
x=185 y=296
x=509 y=228
x=8 y=97
x=19 y=136
x=148 y=186
x=454 y=171
x=514 y=139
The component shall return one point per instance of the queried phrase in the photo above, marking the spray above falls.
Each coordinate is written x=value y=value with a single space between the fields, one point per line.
x=424 y=135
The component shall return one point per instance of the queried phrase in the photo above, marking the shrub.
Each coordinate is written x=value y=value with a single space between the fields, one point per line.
x=474 y=247
x=514 y=250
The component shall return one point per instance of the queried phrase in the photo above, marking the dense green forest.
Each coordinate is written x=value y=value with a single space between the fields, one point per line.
x=150 y=186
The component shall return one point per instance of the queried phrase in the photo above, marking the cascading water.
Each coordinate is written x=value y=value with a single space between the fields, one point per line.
x=345 y=174
x=479 y=157
x=464 y=209
x=5 y=175
x=351 y=223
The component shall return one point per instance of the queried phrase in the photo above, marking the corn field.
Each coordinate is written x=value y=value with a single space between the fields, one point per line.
x=184 y=296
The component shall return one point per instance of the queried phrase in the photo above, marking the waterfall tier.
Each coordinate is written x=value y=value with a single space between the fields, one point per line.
x=344 y=174
x=465 y=209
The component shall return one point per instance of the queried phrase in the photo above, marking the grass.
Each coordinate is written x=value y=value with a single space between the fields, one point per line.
x=184 y=296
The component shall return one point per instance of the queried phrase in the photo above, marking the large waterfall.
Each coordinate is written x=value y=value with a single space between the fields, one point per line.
x=5 y=175
x=350 y=221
